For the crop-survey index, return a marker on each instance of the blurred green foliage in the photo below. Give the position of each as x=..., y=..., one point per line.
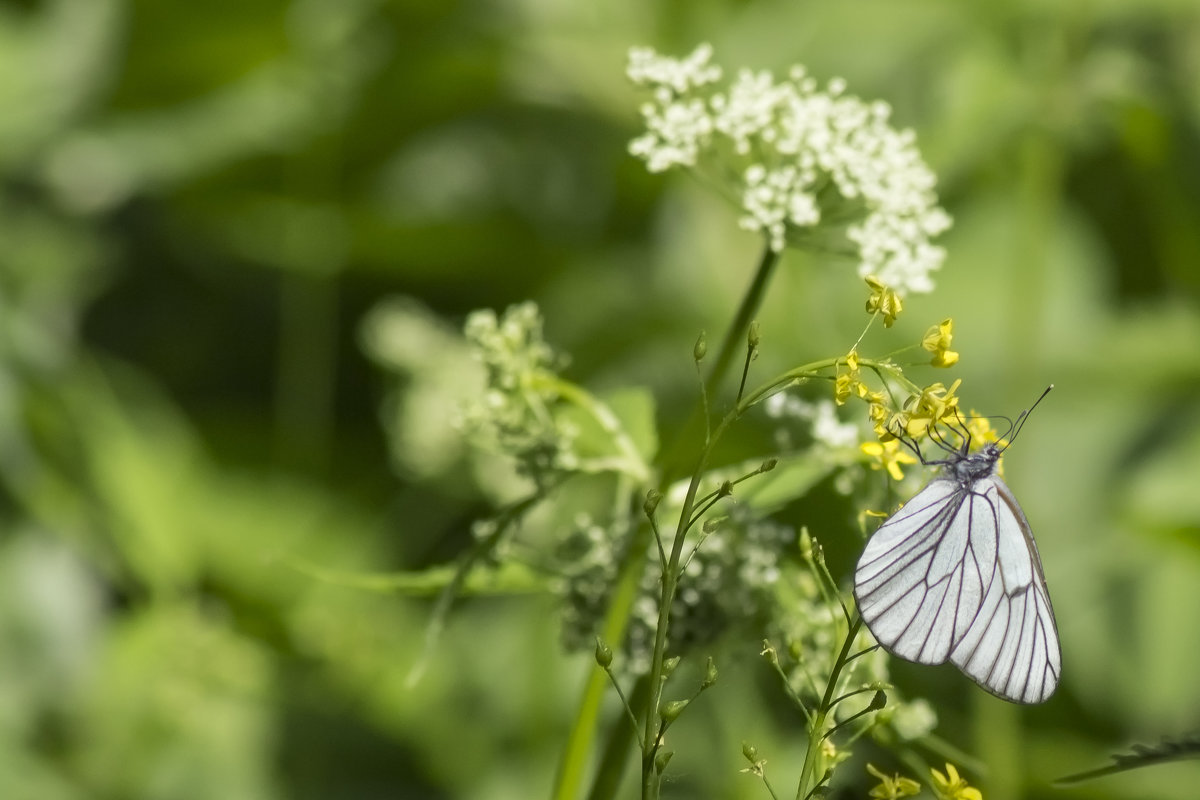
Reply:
x=200, y=204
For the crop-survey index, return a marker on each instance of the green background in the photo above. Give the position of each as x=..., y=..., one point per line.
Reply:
x=200, y=203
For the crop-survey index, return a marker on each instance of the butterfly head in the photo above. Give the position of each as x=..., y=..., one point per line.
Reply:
x=966, y=468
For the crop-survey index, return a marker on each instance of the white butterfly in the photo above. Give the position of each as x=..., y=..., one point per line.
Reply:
x=955, y=575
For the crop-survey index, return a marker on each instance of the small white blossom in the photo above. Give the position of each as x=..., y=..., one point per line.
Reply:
x=678, y=126
x=648, y=68
x=808, y=160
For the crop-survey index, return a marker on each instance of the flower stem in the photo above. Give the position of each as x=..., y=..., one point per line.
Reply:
x=736, y=336
x=816, y=732
x=671, y=574
x=734, y=341
x=670, y=461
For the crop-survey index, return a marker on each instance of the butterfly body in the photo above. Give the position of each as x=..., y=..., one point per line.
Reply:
x=967, y=468
x=955, y=576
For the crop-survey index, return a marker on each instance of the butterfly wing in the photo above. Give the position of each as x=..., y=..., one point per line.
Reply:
x=955, y=575
x=1012, y=649
x=922, y=576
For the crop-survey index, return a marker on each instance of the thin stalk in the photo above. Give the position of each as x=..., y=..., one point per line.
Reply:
x=816, y=733
x=670, y=578
x=616, y=750
x=575, y=754
x=735, y=338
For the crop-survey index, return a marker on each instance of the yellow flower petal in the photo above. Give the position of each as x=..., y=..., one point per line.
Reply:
x=944, y=358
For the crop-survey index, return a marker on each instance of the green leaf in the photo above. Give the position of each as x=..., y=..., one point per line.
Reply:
x=600, y=424
x=504, y=579
x=792, y=477
x=635, y=408
x=1187, y=748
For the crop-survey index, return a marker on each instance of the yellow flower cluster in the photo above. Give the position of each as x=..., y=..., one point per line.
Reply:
x=947, y=786
x=921, y=411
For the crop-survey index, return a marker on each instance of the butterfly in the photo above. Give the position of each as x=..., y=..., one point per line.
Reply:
x=955, y=575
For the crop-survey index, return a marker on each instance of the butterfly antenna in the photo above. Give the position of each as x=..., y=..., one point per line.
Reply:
x=916, y=448
x=940, y=440
x=911, y=444
x=962, y=430
x=1024, y=415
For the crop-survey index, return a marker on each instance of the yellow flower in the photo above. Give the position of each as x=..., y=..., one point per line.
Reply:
x=945, y=358
x=933, y=404
x=880, y=415
x=848, y=383
x=843, y=386
x=892, y=787
x=936, y=401
x=889, y=456
x=951, y=787
x=883, y=301
x=879, y=398
x=937, y=341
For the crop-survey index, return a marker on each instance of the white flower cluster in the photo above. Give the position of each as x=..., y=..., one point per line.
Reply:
x=822, y=416
x=729, y=585
x=811, y=630
x=514, y=414
x=803, y=156
x=678, y=124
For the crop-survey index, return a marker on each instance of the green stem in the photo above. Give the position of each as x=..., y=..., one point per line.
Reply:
x=670, y=578
x=816, y=733
x=575, y=754
x=734, y=341
x=735, y=337
x=572, y=766
x=616, y=750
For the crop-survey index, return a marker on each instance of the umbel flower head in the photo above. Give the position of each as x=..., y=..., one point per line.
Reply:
x=514, y=414
x=811, y=165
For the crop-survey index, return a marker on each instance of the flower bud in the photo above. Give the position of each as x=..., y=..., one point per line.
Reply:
x=806, y=544
x=700, y=348
x=710, y=674
x=653, y=497
x=673, y=709
x=604, y=654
